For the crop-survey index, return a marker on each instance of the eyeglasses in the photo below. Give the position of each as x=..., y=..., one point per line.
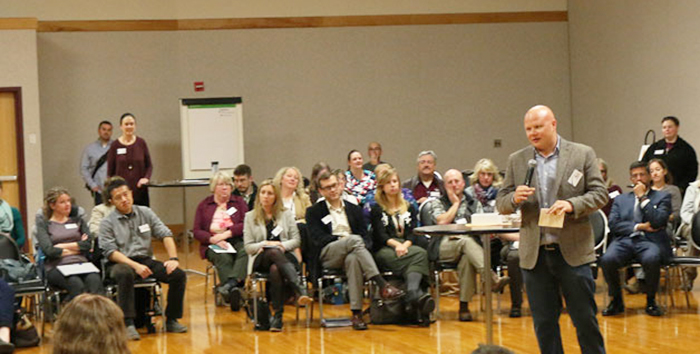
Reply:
x=330, y=187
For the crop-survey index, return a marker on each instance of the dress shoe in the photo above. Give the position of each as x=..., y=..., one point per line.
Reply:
x=358, y=323
x=465, y=315
x=499, y=284
x=614, y=308
x=276, y=322
x=425, y=304
x=653, y=309
x=515, y=312
x=390, y=292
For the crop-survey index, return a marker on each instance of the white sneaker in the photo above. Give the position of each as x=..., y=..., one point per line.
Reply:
x=131, y=333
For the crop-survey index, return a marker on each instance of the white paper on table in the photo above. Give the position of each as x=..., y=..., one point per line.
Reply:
x=77, y=268
x=229, y=248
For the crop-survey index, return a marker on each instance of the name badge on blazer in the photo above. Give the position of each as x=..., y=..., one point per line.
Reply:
x=277, y=231
x=144, y=228
x=231, y=211
x=71, y=226
x=575, y=178
x=613, y=194
x=327, y=220
x=435, y=194
x=121, y=151
x=659, y=152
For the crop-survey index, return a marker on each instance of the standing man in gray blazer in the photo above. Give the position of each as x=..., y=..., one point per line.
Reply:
x=555, y=261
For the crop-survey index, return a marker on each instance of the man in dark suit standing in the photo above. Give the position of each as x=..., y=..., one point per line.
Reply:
x=638, y=225
x=555, y=261
x=337, y=230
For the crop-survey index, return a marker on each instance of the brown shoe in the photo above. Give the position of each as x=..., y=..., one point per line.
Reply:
x=499, y=283
x=465, y=315
x=390, y=292
x=358, y=323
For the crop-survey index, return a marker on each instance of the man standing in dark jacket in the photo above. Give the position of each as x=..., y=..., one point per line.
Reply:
x=676, y=152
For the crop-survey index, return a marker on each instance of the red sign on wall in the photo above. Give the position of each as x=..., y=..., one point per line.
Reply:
x=198, y=86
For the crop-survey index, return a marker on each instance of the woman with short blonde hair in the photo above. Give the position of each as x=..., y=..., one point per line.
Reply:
x=218, y=224
x=90, y=324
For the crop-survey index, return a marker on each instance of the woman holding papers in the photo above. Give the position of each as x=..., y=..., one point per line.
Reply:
x=271, y=236
x=393, y=220
x=218, y=226
x=484, y=184
x=66, y=241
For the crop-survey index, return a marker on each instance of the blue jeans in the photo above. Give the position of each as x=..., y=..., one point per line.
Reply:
x=545, y=284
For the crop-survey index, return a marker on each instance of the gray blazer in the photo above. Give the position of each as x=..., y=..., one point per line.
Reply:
x=589, y=195
x=255, y=235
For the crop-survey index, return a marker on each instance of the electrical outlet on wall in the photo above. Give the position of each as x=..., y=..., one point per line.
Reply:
x=497, y=143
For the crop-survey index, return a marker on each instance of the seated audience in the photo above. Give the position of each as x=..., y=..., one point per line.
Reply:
x=638, y=226
x=90, y=324
x=662, y=181
x=393, y=220
x=7, y=313
x=358, y=180
x=691, y=205
x=125, y=239
x=219, y=221
x=292, y=193
x=613, y=189
x=456, y=208
x=101, y=210
x=11, y=221
x=65, y=240
x=370, y=198
x=245, y=187
x=427, y=183
x=337, y=230
x=271, y=237
x=677, y=153
x=318, y=168
x=484, y=185
x=374, y=151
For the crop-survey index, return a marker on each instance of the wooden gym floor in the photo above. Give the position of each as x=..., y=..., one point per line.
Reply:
x=218, y=330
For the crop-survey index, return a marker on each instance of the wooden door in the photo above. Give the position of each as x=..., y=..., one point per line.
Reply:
x=11, y=153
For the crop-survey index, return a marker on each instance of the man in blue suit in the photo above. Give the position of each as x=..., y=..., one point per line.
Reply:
x=638, y=226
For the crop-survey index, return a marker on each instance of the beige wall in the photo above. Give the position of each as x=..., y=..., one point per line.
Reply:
x=309, y=94
x=632, y=63
x=19, y=68
x=182, y=9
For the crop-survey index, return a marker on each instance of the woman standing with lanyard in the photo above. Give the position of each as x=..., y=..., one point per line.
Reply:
x=129, y=158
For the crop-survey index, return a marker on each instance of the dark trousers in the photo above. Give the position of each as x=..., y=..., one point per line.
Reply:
x=76, y=284
x=512, y=258
x=551, y=278
x=125, y=276
x=97, y=196
x=624, y=251
x=230, y=266
x=272, y=261
x=7, y=304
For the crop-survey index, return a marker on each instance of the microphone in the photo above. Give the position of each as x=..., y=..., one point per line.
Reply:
x=530, y=171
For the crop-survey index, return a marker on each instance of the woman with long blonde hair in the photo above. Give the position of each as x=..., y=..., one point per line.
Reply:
x=90, y=324
x=292, y=193
x=270, y=236
x=393, y=220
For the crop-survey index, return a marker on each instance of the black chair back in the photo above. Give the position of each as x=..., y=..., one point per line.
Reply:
x=695, y=231
x=8, y=247
x=600, y=224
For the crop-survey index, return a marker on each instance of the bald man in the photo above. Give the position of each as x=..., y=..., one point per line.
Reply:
x=555, y=261
x=456, y=208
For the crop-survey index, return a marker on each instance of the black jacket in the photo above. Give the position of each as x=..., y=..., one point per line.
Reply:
x=681, y=160
x=383, y=228
x=251, y=203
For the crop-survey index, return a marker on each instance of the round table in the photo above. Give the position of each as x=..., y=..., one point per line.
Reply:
x=485, y=232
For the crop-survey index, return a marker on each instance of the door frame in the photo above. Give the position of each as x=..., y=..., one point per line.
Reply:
x=19, y=138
